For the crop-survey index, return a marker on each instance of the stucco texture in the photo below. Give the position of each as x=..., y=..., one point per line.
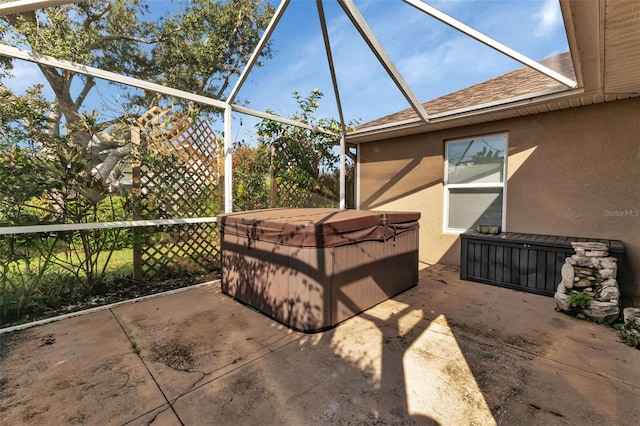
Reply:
x=573, y=172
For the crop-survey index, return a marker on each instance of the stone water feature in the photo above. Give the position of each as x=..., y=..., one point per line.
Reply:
x=589, y=281
x=630, y=331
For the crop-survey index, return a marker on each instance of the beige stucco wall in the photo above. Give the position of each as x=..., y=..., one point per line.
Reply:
x=573, y=172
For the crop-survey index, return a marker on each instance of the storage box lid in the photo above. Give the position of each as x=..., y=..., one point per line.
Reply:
x=317, y=227
x=615, y=246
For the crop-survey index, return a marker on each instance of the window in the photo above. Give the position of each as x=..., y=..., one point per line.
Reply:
x=475, y=170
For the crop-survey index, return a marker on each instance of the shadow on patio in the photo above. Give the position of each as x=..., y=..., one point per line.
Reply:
x=445, y=352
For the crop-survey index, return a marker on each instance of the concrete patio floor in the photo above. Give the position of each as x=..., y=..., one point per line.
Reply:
x=446, y=352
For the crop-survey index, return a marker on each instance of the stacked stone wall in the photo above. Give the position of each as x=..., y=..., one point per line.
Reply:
x=589, y=287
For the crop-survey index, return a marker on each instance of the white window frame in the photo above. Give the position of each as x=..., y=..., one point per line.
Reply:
x=447, y=186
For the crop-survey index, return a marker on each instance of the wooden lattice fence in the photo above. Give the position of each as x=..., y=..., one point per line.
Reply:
x=306, y=185
x=296, y=179
x=177, y=174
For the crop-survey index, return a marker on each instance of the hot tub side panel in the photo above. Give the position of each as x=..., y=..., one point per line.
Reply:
x=308, y=280
x=370, y=272
x=287, y=283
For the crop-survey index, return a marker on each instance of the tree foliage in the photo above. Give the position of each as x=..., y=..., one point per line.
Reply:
x=291, y=166
x=21, y=168
x=209, y=44
x=199, y=49
x=251, y=177
x=57, y=155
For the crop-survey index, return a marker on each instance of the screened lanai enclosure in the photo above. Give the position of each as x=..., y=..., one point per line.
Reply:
x=128, y=126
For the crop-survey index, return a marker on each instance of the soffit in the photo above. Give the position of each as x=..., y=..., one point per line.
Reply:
x=621, y=47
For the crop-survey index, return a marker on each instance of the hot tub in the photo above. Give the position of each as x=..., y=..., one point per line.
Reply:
x=313, y=268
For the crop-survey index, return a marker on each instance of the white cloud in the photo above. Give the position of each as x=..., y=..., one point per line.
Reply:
x=549, y=17
x=452, y=65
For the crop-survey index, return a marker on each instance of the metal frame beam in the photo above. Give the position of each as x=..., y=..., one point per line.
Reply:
x=336, y=91
x=256, y=52
x=68, y=227
x=332, y=69
x=14, y=52
x=488, y=41
x=13, y=7
x=228, y=161
x=283, y=120
x=385, y=60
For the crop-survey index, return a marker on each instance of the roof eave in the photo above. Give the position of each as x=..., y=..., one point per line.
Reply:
x=551, y=99
x=584, y=26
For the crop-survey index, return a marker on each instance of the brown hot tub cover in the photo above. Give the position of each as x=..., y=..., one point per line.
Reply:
x=313, y=268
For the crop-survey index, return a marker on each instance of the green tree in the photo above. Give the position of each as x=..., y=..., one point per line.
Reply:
x=21, y=121
x=251, y=178
x=200, y=49
x=46, y=179
x=304, y=162
x=80, y=152
x=25, y=259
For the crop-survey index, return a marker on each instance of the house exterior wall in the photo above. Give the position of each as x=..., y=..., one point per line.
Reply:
x=573, y=172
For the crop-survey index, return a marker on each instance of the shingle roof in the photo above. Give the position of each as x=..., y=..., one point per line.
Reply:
x=516, y=83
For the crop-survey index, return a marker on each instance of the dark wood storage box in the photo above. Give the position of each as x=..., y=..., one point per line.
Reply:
x=527, y=262
x=313, y=268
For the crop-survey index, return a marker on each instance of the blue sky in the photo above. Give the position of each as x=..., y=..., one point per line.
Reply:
x=433, y=59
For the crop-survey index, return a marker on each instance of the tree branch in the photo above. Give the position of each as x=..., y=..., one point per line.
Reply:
x=97, y=43
x=85, y=91
x=109, y=123
x=105, y=168
x=94, y=18
x=13, y=19
x=58, y=84
x=232, y=35
x=225, y=83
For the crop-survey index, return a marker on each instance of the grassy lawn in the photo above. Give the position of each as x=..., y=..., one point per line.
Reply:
x=120, y=262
